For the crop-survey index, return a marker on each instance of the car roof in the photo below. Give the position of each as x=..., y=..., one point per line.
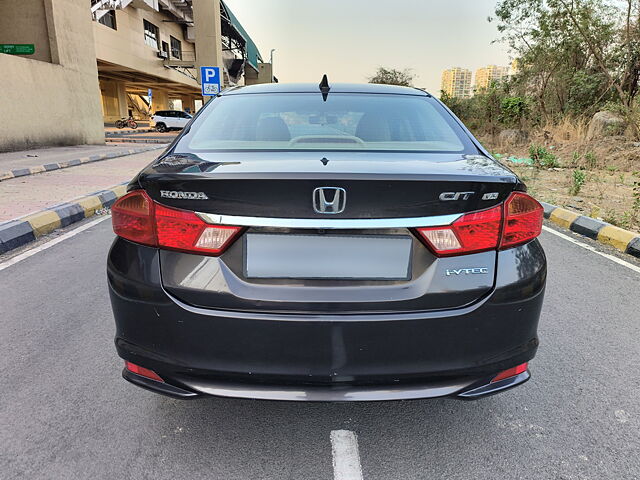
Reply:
x=314, y=88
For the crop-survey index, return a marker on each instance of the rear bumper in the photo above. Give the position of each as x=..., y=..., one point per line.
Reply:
x=304, y=393
x=325, y=357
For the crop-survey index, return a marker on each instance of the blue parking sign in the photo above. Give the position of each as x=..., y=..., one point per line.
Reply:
x=210, y=80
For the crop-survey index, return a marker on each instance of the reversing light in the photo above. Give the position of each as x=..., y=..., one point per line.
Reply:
x=511, y=372
x=143, y=372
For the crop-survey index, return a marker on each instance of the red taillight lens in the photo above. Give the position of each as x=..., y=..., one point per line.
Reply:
x=473, y=232
x=132, y=218
x=523, y=220
x=480, y=231
x=511, y=372
x=138, y=218
x=143, y=372
x=185, y=231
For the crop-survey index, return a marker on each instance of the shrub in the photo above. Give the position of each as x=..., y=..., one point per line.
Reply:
x=591, y=160
x=542, y=158
x=578, y=179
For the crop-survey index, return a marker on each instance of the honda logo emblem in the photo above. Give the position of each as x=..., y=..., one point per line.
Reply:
x=329, y=200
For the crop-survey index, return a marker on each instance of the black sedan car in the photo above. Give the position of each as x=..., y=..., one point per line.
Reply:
x=332, y=243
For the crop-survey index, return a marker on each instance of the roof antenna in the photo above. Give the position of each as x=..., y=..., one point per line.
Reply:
x=324, y=87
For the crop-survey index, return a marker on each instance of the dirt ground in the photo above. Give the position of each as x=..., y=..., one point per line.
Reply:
x=611, y=169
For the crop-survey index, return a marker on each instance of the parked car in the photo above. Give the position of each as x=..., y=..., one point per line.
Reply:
x=347, y=243
x=165, y=120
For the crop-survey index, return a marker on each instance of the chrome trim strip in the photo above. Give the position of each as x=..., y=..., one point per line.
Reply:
x=329, y=223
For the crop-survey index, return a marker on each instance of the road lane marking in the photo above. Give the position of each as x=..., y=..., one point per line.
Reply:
x=346, y=459
x=635, y=268
x=44, y=246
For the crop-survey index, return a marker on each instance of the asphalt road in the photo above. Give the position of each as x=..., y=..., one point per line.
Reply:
x=65, y=413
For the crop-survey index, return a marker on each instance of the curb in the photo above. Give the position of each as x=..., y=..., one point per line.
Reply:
x=129, y=132
x=135, y=140
x=603, y=232
x=23, y=172
x=20, y=231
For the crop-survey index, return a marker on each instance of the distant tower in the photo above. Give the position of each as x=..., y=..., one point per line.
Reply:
x=492, y=73
x=456, y=82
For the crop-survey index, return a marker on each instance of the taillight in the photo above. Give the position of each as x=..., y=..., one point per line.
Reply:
x=504, y=226
x=138, y=218
x=471, y=233
x=523, y=220
x=132, y=218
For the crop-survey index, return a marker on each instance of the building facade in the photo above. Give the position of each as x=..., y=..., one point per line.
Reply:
x=456, y=82
x=95, y=62
x=487, y=75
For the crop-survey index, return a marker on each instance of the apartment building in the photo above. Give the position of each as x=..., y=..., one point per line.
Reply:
x=485, y=76
x=456, y=82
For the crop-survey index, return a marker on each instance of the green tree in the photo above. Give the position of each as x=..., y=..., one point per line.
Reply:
x=574, y=55
x=391, y=76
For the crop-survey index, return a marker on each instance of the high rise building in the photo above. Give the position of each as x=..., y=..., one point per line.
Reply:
x=492, y=73
x=456, y=82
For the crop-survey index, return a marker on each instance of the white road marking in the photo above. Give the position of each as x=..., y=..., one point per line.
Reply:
x=635, y=268
x=346, y=459
x=44, y=246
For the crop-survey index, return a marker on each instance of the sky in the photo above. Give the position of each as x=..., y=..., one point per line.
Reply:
x=349, y=39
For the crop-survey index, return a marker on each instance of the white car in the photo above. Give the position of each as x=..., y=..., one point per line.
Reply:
x=169, y=119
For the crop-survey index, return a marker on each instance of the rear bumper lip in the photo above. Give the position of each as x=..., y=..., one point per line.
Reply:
x=158, y=387
x=496, y=387
x=465, y=390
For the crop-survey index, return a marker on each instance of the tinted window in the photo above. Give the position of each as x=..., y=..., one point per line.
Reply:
x=344, y=121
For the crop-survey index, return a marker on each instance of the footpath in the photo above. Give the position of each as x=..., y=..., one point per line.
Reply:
x=36, y=204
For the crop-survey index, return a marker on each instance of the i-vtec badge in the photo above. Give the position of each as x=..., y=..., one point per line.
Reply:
x=467, y=271
x=183, y=195
x=450, y=196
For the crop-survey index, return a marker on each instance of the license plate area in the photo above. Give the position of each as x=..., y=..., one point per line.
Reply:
x=327, y=257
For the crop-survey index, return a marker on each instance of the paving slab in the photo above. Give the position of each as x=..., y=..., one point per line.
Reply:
x=23, y=195
x=26, y=159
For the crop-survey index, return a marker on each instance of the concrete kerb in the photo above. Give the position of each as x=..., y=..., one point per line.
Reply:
x=21, y=172
x=128, y=132
x=20, y=231
x=139, y=140
x=605, y=233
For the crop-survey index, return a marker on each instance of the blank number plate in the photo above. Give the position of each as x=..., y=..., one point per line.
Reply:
x=328, y=256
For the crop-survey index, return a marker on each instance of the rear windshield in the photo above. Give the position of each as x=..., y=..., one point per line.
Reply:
x=344, y=122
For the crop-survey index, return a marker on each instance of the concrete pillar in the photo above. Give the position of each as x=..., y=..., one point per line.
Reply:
x=208, y=30
x=123, y=103
x=160, y=100
x=188, y=102
x=110, y=101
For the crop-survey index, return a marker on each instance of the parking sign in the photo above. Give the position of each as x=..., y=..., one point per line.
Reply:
x=210, y=80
